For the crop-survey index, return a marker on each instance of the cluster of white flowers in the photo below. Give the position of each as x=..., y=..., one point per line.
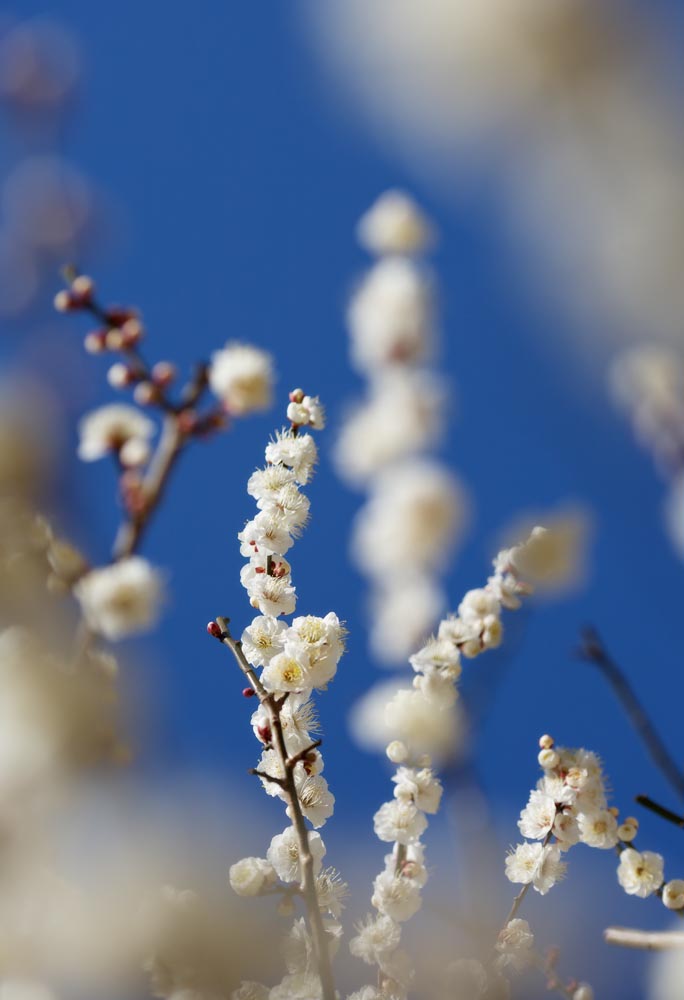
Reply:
x=415, y=509
x=117, y=429
x=424, y=716
x=569, y=806
x=648, y=383
x=294, y=660
x=416, y=719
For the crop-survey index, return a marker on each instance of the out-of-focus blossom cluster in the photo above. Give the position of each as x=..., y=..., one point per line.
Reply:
x=648, y=384
x=48, y=207
x=567, y=104
x=405, y=533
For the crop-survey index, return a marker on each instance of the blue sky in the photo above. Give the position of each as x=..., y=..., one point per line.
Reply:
x=233, y=181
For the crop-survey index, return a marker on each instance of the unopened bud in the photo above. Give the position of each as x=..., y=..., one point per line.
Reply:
x=548, y=759
x=163, y=374
x=397, y=752
x=131, y=332
x=297, y=395
x=95, y=342
x=83, y=287
x=119, y=376
x=248, y=692
x=145, y=394
x=214, y=629
x=546, y=742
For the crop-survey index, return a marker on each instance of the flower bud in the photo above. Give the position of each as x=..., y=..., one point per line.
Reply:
x=546, y=742
x=673, y=894
x=548, y=759
x=397, y=752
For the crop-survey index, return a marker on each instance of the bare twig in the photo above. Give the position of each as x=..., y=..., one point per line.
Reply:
x=661, y=811
x=287, y=764
x=593, y=650
x=628, y=937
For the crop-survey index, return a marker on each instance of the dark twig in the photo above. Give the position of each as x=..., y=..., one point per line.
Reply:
x=593, y=651
x=661, y=811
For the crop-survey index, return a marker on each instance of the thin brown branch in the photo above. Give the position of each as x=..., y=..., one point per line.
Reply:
x=593, y=651
x=661, y=811
x=294, y=809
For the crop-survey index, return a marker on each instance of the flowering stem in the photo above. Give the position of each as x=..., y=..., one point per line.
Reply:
x=169, y=448
x=593, y=650
x=287, y=764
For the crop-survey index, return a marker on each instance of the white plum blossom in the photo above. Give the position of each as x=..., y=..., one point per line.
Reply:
x=272, y=595
x=404, y=610
x=122, y=599
x=306, y=411
x=395, y=896
x=394, y=224
x=263, y=639
x=297, y=452
x=315, y=798
x=538, y=864
x=298, y=986
x=399, y=821
x=515, y=945
x=283, y=854
x=390, y=315
x=241, y=376
x=376, y=938
x=640, y=873
x=673, y=894
x=287, y=671
x=538, y=816
x=420, y=786
x=249, y=876
x=112, y=428
x=598, y=829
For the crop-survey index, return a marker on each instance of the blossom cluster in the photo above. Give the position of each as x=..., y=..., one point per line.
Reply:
x=569, y=806
x=415, y=506
x=293, y=660
x=648, y=383
x=419, y=722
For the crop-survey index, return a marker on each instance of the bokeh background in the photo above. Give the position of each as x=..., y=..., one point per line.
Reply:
x=223, y=162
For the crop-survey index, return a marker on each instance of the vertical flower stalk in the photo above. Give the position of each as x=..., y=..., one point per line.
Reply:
x=283, y=665
x=416, y=720
x=415, y=506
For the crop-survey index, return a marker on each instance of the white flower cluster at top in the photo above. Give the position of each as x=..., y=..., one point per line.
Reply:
x=415, y=506
x=411, y=719
x=294, y=660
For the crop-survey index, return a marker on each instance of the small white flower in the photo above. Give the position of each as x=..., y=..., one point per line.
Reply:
x=537, y=864
x=242, y=378
x=267, y=533
x=263, y=639
x=394, y=224
x=307, y=411
x=390, y=316
x=598, y=829
x=323, y=639
x=538, y=816
x=375, y=938
x=122, y=599
x=264, y=484
x=288, y=671
x=300, y=986
x=272, y=596
x=283, y=854
x=399, y=821
x=315, y=798
x=331, y=890
x=250, y=875
x=673, y=894
x=422, y=787
x=515, y=945
x=395, y=896
x=110, y=428
x=640, y=873
x=297, y=452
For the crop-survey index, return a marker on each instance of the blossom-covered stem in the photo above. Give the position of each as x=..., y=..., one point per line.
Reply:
x=661, y=811
x=593, y=650
x=169, y=448
x=288, y=764
x=628, y=937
